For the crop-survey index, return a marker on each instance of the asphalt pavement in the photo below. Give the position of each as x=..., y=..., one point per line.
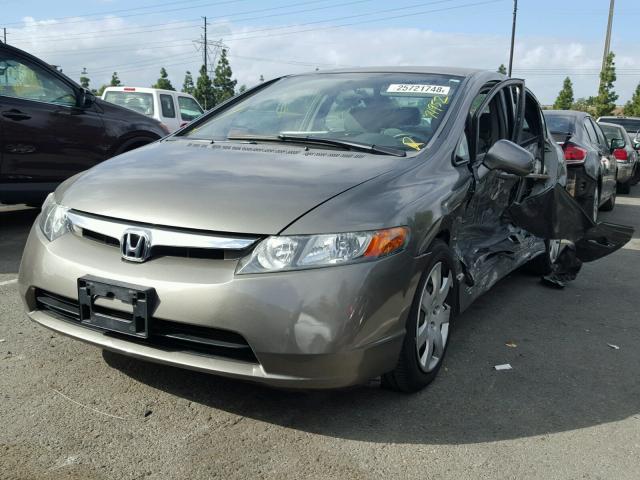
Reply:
x=568, y=409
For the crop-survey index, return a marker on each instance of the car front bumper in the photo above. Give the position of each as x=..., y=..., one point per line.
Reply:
x=321, y=328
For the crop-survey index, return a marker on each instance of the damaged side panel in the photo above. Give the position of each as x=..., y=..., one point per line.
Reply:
x=554, y=214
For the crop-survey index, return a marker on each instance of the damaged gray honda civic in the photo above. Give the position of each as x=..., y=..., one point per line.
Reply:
x=316, y=231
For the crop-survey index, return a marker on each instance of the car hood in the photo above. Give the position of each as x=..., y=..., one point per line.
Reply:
x=224, y=187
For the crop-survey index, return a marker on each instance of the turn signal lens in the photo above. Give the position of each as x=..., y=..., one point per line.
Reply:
x=386, y=242
x=284, y=253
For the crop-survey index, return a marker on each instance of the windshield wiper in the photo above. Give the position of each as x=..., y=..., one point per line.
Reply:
x=322, y=141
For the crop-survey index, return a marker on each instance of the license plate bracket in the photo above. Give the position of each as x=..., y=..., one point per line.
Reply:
x=135, y=323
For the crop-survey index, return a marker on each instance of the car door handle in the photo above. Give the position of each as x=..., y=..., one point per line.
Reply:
x=15, y=115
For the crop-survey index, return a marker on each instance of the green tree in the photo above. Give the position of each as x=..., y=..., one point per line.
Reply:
x=502, y=69
x=242, y=89
x=565, y=97
x=115, y=81
x=84, y=81
x=100, y=91
x=632, y=107
x=204, y=92
x=605, y=101
x=261, y=78
x=163, y=82
x=585, y=105
x=187, y=85
x=224, y=86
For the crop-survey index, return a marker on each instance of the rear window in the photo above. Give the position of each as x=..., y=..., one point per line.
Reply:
x=561, y=123
x=189, y=109
x=166, y=103
x=611, y=132
x=631, y=125
x=136, y=101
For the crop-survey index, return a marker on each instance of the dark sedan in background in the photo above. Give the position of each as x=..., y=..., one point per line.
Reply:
x=626, y=156
x=315, y=231
x=51, y=128
x=592, y=168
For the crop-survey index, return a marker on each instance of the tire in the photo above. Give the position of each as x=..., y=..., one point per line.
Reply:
x=428, y=326
x=609, y=204
x=591, y=205
x=543, y=263
x=624, y=188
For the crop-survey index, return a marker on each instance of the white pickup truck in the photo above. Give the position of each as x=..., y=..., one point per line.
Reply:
x=174, y=109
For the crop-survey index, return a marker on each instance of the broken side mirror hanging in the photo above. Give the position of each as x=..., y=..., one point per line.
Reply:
x=510, y=158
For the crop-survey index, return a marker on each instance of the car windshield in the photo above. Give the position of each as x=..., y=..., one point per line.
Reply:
x=396, y=110
x=631, y=125
x=560, y=123
x=136, y=101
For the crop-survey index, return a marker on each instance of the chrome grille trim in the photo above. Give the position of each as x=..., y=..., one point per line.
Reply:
x=158, y=237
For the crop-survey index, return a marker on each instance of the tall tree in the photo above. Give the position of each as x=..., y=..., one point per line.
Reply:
x=632, y=107
x=502, y=69
x=223, y=85
x=204, y=92
x=565, y=97
x=84, y=81
x=115, y=81
x=261, y=78
x=605, y=101
x=187, y=85
x=163, y=82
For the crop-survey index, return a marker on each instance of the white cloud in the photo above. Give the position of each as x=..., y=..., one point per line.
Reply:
x=544, y=62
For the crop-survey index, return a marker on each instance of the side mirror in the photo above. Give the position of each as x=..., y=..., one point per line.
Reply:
x=87, y=98
x=510, y=158
x=617, y=143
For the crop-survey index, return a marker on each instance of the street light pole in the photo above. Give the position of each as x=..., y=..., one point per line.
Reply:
x=513, y=35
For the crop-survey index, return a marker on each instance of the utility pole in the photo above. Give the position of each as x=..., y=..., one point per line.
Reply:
x=513, y=35
x=5, y=35
x=607, y=41
x=204, y=50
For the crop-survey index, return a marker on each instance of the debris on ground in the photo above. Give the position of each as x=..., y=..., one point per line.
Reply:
x=615, y=347
x=511, y=344
x=504, y=366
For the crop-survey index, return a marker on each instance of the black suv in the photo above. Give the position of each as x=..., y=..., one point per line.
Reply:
x=51, y=128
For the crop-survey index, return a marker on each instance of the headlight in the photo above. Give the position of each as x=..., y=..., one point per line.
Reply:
x=53, y=219
x=277, y=254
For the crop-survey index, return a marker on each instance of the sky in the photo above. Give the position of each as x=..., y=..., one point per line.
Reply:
x=554, y=38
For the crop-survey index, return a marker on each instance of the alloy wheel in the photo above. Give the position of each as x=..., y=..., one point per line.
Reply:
x=432, y=330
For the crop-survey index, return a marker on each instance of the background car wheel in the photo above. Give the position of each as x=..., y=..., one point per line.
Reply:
x=428, y=325
x=543, y=263
x=624, y=187
x=609, y=204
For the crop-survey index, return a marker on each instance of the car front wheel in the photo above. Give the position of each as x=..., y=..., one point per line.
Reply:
x=428, y=325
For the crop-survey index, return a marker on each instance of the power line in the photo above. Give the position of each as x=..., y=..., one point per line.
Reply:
x=83, y=20
x=291, y=12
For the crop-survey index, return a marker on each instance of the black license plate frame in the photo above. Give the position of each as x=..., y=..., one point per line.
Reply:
x=142, y=300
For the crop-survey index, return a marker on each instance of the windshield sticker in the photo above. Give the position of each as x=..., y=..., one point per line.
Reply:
x=409, y=88
x=410, y=142
x=435, y=107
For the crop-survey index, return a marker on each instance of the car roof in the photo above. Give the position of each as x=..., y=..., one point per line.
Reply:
x=606, y=124
x=567, y=113
x=121, y=88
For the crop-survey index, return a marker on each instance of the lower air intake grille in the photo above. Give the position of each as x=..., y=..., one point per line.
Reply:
x=163, y=334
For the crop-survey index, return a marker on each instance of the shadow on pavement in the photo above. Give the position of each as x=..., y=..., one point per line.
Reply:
x=565, y=375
